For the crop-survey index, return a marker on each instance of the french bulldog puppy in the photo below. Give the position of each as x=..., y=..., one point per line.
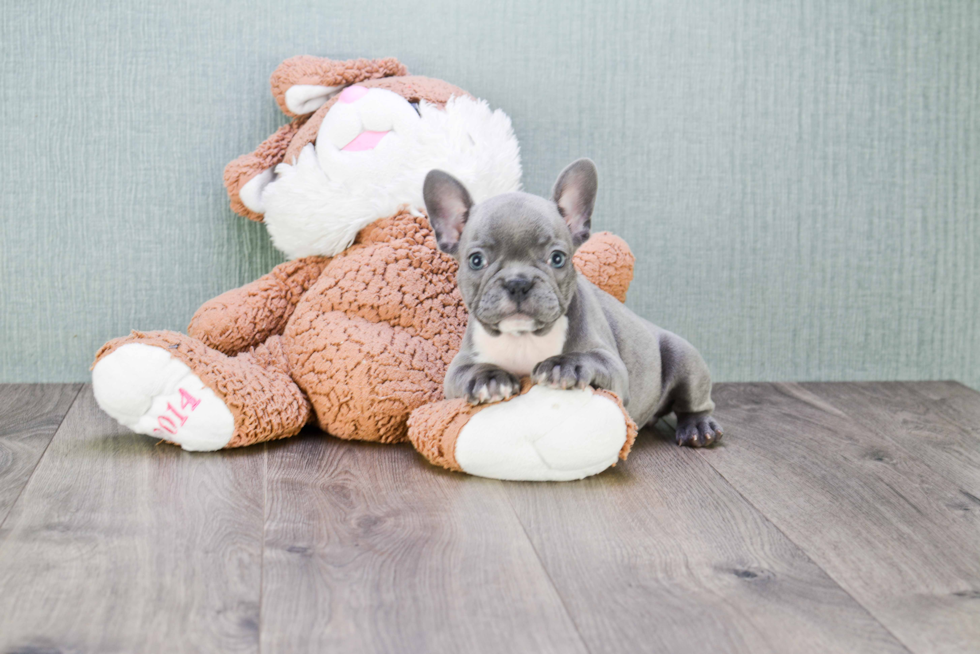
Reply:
x=530, y=313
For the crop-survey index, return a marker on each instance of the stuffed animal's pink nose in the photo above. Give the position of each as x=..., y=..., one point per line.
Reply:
x=353, y=94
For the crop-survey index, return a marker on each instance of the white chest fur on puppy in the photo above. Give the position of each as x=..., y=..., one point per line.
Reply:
x=518, y=351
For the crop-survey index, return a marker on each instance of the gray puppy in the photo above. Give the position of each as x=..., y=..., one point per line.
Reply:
x=532, y=314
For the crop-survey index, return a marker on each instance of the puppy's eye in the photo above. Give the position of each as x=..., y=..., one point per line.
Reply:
x=477, y=261
x=415, y=106
x=558, y=259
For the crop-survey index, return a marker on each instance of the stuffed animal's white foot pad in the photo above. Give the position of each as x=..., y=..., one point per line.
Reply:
x=152, y=393
x=544, y=435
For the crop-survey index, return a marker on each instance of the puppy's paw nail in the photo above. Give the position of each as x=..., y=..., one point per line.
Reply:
x=702, y=432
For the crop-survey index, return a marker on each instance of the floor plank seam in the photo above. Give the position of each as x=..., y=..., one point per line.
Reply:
x=887, y=435
x=37, y=463
x=959, y=383
x=802, y=550
x=704, y=455
x=960, y=427
x=120, y=530
x=265, y=511
x=547, y=574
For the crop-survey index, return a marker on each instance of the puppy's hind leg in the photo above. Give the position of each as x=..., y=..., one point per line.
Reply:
x=687, y=387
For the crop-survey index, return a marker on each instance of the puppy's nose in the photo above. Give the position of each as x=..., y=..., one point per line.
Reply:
x=518, y=288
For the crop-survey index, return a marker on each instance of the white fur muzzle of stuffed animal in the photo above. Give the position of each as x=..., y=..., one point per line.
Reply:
x=371, y=156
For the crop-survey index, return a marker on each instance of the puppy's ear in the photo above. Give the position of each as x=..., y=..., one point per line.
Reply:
x=448, y=203
x=574, y=194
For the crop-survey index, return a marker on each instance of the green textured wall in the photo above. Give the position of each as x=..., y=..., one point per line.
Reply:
x=799, y=180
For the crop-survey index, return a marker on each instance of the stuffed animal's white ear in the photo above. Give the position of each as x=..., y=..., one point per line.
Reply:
x=306, y=98
x=251, y=193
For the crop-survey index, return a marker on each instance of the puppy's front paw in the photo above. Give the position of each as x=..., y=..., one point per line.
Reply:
x=491, y=385
x=696, y=430
x=568, y=371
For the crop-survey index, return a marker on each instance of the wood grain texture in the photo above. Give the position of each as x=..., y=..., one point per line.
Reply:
x=926, y=430
x=29, y=416
x=847, y=489
x=369, y=549
x=800, y=181
x=662, y=555
x=120, y=545
x=834, y=518
x=953, y=401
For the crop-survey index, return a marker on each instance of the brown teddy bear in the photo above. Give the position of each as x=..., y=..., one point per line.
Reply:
x=357, y=329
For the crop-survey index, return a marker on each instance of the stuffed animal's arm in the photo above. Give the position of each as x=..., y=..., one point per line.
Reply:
x=247, y=316
x=606, y=261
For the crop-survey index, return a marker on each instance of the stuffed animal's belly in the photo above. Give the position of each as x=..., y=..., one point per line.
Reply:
x=371, y=340
x=363, y=377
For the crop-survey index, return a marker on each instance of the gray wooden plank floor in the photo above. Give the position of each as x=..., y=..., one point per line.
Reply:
x=369, y=550
x=833, y=518
x=853, y=478
x=29, y=416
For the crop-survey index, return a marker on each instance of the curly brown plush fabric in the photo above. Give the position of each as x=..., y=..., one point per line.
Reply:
x=434, y=428
x=372, y=339
x=245, y=317
x=608, y=263
x=305, y=69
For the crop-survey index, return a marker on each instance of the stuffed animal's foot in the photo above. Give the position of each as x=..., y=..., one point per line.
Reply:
x=153, y=393
x=542, y=435
x=697, y=430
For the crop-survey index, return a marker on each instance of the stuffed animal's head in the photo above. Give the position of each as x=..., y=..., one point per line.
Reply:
x=363, y=136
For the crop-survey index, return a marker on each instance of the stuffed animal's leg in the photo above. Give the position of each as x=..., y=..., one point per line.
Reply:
x=171, y=386
x=541, y=435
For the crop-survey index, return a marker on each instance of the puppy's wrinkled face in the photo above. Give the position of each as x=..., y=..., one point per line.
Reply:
x=515, y=270
x=514, y=250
